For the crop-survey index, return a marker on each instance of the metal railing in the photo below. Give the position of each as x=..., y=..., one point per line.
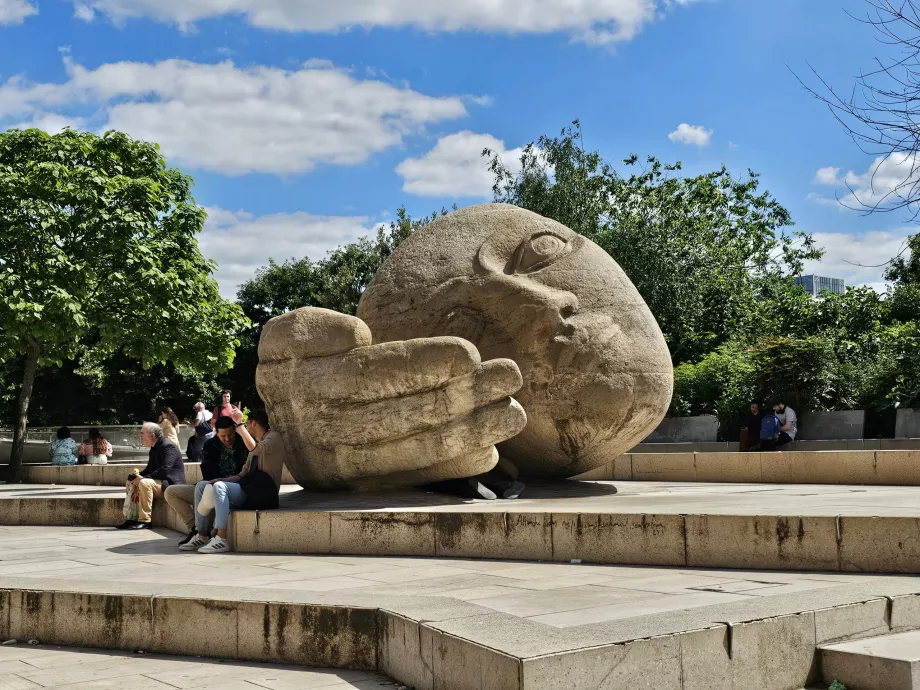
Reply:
x=122, y=436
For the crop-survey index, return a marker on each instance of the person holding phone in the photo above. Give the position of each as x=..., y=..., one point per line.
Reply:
x=255, y=487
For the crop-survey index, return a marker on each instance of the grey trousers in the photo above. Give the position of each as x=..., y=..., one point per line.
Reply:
x=181, y=498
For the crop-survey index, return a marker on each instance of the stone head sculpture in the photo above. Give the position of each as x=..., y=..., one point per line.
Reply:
x=597, y=374
x=483, y=304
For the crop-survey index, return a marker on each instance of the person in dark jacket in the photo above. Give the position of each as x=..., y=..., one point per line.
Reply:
x=223, y=455
x=164, y=467
x=752, y=426
x=254, y=487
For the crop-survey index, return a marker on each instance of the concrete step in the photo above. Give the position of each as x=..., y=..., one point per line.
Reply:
x=842, y=529
x=862, y=467
x=438, y=624
x=887, y=662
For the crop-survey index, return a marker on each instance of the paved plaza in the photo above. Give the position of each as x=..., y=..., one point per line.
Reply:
x=25, y=667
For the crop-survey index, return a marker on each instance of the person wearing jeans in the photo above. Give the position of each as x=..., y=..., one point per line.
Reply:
x=223, y=455
x=255, y=487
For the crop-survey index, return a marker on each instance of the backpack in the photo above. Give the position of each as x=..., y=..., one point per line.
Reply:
x=769, y=428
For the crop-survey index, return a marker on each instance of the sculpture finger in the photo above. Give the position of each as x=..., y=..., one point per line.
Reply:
x=482, y=428
x=332, y=422
x=375, y=372
x=311, y=332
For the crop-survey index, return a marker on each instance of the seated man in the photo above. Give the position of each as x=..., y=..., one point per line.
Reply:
x=223, y=455
x=750, y=431
x=164, y=467
x=255, y=487
x=788, y=423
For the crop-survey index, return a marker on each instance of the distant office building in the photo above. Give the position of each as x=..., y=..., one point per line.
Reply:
x=815, y=285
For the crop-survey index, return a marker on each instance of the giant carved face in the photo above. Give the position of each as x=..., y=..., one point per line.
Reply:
x=597, y=372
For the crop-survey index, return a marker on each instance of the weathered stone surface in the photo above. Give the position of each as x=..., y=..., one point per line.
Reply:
x=355, y=415
x=597, y=372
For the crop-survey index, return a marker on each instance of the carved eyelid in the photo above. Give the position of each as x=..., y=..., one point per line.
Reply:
x=520, y=254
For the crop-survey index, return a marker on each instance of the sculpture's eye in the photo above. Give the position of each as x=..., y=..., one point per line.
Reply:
x=539, y=251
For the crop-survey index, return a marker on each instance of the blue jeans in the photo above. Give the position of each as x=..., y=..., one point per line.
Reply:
x=226, y=497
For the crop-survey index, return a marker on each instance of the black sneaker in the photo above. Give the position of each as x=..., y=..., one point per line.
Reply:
x=127, y=524
x=514, y=490
x=191, y=535
x=139, y=525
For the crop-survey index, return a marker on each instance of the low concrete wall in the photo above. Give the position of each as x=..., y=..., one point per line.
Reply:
x=685, y=429
x=105, y=475
x=728, y=447
x=36, y=453
x=128, y=436
x=908, y=423
x=843, y=425
x=873, y=467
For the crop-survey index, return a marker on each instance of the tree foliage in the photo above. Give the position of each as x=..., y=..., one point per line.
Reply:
x=99, y=255
x=699, y=248
x=714, y=257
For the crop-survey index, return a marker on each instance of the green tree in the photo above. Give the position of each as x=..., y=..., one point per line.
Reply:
x=699, y=249
x=99, y=254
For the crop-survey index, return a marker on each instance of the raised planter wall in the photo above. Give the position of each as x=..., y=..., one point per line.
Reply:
x=685, y=430
x=825, y=426
x=908, y=423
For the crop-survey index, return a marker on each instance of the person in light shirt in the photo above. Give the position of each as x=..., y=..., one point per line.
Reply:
x=255, y=487
x=788, y=423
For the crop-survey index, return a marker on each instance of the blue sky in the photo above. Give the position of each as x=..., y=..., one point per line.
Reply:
x=305, y=123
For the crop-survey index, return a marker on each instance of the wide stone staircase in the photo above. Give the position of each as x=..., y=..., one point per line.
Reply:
x=681, y=570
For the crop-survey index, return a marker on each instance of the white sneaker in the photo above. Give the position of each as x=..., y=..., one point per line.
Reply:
x=216, y=545
x=196, y=543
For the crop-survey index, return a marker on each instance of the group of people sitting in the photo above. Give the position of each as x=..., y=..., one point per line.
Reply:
x=95, y=450
x=241, y=468
x=768, y=431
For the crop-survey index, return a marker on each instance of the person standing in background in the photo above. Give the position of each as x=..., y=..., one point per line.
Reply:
x=202, y=416
x=223, y=409
x=169, y=423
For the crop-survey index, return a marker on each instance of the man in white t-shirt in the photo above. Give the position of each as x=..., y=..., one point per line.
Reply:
x=788, y=423
x=202, y=416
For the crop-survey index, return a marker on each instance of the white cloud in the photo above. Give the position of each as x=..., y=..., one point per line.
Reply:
x=596, y=21
x=15, y=11
x=241, y=242
x=857, y=258
x=456, y=167
x=237, y=120
x=51, y=123
x=827, y=176
x=695, y=135
x=888, y=181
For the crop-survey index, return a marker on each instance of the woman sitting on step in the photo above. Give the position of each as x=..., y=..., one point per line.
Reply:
x=63, y=449
x=95, y=450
